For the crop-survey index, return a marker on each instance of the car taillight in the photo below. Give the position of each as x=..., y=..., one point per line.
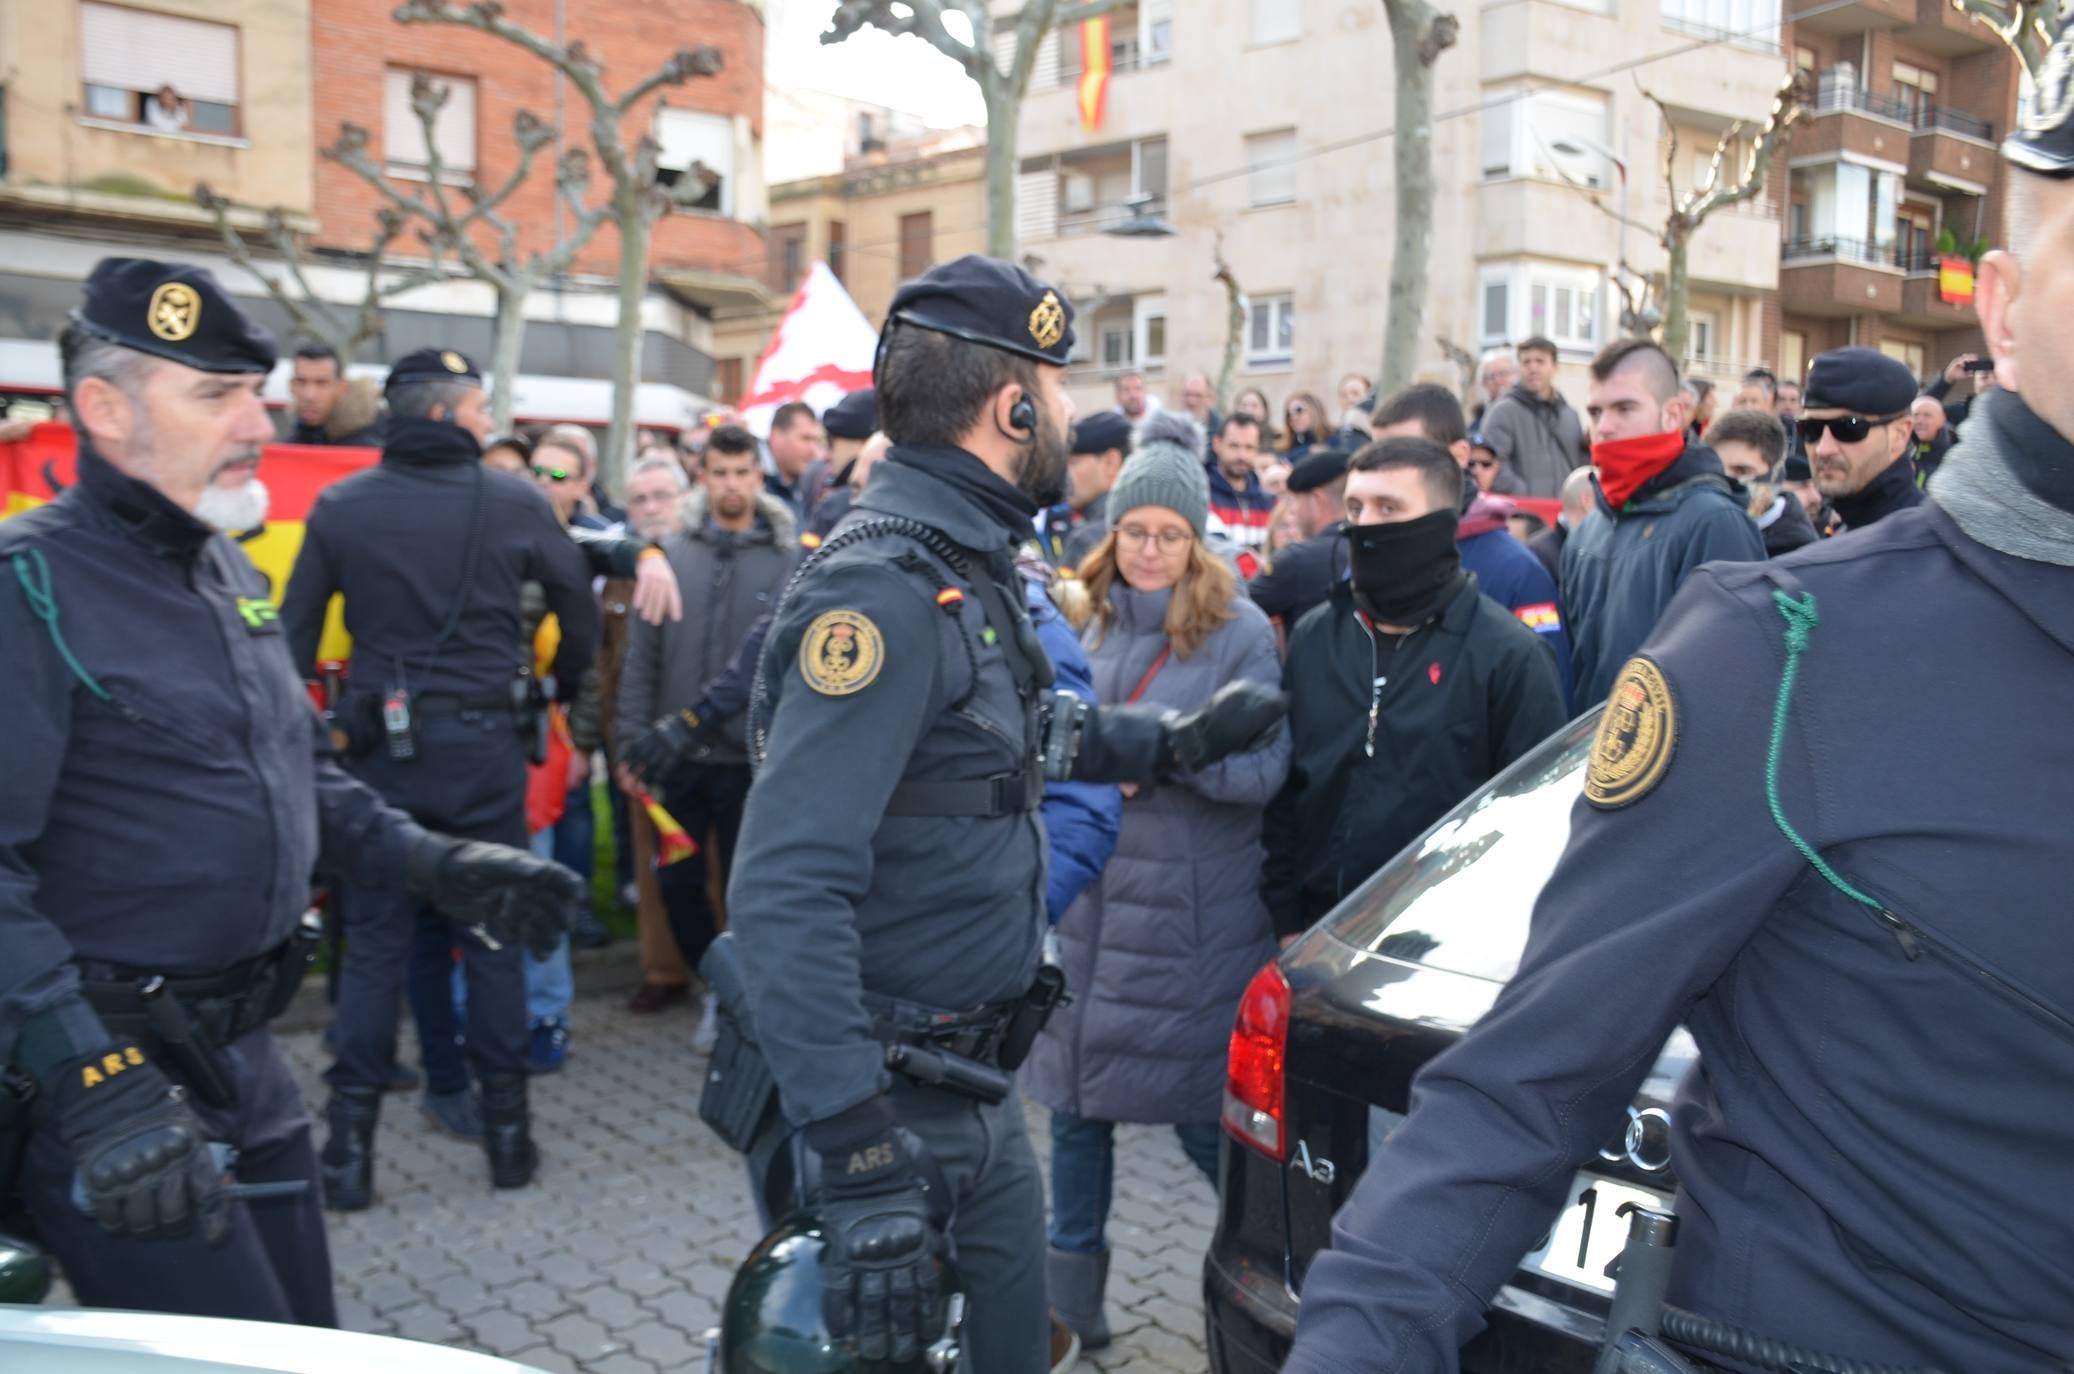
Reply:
x=1253, y=1073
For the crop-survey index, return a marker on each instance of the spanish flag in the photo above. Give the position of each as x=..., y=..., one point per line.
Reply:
x=671, y=843
x=1094, y=72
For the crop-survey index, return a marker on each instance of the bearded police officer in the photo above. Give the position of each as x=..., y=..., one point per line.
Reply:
x=429, y=550
x=169, y=791
x=889, y=889
x=1869, y=943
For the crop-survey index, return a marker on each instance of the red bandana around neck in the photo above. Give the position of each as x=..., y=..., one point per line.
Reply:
x=1625, y=464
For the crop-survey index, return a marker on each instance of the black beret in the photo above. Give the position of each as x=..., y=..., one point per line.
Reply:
x=855, y=416
x=432, y=365
x=2043, y=139
x=1317, y=468
x=986, y=301
x=172, y=311
x=1102, y=431
x=1864, y=381
x=1797, y=469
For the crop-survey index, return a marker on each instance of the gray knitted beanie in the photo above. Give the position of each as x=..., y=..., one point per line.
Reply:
x=1167, y=470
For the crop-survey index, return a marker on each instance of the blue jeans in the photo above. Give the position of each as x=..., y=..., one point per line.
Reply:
x=575, y=836
x=1083, y=1174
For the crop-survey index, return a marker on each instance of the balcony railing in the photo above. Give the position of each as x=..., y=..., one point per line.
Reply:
x=1835, y=96
x=1945, y=120
x=1842, y=250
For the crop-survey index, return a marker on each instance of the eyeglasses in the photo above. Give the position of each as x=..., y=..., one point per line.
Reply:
x=1848, y=429
x=1137, y=536
x=552, y=474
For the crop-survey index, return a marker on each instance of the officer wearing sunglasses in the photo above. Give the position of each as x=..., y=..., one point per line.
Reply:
x=1856, y=432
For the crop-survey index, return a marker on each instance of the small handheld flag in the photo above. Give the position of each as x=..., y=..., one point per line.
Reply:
x=671, y=843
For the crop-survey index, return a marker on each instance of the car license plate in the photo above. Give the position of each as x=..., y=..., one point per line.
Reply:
x=1590, y=1233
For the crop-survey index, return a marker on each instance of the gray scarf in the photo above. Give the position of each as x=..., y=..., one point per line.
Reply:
x=1979, y=487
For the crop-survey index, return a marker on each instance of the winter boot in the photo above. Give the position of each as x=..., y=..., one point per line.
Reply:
x=1076, y=1283
x=346, y=1165
x=506, y=1135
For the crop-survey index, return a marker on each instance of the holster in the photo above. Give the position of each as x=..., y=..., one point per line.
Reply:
x=740, y=1097
x=1046, y=995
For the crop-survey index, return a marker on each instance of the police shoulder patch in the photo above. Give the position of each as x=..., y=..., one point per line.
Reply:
x=1635, y=739
x=841, y=652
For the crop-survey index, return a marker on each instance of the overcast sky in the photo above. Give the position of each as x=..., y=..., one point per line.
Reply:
x=901, y=73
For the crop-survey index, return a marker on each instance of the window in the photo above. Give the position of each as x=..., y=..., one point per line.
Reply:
x=727, y=381
x=1913, y=354
x=1915, y=237
x=1916, y=89
x=1793, y=354
x=1804, y=60
x=838, y=248
x=1270, y=331
x=917, y=244
x=1117, y=342
x=1559, y=303
x=1754, y=21
x=697, y=138
x=1271, y=168
x=1149, y=168
x=787, y=256
x=1156, y=30
x=453, y=129
x=1149, y=321
x=1277, y=21
x=129, y=56
x=1701, y=341
x=1076, y=193
x=1559, y=135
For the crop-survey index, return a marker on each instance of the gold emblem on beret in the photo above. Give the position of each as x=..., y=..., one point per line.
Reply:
x=841, y=653
x=454, y=361
x=175, y=312
x=1636, y=735
x=1048, y=321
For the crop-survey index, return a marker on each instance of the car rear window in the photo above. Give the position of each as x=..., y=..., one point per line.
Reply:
x=1460, y=897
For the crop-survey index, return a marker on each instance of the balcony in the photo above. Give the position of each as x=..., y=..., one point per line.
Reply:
x=1941, y=28
x=1840, y=277
x=1952, y=151
x=1921, y=303
x=1863, y=16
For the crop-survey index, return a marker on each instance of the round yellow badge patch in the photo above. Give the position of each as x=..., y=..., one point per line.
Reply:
x=175, y=312
x=841, y=653
x=1636, y=735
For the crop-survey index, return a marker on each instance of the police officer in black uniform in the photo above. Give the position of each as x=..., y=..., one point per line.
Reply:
x=1824, y=826
x=430, y=550
x=169, y=791
x=889, y=884
x=1305, y=573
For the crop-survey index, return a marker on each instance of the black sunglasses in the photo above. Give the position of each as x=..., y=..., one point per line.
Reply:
x=552, y=474
x=1848, y=429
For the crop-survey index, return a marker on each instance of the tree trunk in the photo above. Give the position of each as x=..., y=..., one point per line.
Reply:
x=504, y=360
x=1002, y=112
x=1677, y=329
x=635, y=232
x=1418, y=35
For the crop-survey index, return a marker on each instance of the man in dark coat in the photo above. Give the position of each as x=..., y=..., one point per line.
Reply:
x=1303, y=574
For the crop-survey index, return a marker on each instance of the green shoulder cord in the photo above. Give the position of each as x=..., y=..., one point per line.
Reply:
x=1801, y=620
x=36, y=586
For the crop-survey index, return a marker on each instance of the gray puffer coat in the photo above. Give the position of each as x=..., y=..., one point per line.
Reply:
x=1158, y=950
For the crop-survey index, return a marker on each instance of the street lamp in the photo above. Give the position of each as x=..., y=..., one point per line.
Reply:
x=1142, y=223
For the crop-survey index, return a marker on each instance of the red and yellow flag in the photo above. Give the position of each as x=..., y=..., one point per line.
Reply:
x=671, y=843
x=1094, y=72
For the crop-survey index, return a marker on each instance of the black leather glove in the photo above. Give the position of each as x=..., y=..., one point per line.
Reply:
x=510, y=894
x=142, y=1156
x=676, y=738
x=881, y=1284
x=1242, y=717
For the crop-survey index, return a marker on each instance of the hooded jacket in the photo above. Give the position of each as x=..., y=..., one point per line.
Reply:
x=1538, y=441
x=1620, y=569
x=729, y=581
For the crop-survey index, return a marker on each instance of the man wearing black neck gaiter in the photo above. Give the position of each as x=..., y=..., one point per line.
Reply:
x=1408, y=689
x=1824, y=830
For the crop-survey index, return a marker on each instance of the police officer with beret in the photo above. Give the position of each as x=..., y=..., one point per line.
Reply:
x=169, y=792
x=430, y=550
x=1859, y=435
x=888, y=898
x=849, y=422
x=1869, y=943
x=1303, y=574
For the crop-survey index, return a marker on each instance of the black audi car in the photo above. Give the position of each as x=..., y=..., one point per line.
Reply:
x=1329, y=1036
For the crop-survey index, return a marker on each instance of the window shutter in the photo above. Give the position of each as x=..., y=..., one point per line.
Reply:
x=137, y=50
x=1036, y=206
x=1045, y=75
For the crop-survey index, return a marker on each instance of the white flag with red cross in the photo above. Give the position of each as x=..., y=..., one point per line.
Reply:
x=822, y=350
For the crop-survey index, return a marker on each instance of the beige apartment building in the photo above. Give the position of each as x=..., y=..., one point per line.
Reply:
x=1266, y=121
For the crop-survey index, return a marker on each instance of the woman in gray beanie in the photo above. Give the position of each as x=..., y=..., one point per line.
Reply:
x=1158, y=950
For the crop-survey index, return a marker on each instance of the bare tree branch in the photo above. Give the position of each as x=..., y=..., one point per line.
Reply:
x=1756, y=164
x=1234, y=323
x=2025, y=26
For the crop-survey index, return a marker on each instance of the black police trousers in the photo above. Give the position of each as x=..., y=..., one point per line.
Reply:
x=997, y=1229
x=468, y=780
x=273, y=1266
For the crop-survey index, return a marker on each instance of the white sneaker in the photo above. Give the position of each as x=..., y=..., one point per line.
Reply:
x=703, y=1038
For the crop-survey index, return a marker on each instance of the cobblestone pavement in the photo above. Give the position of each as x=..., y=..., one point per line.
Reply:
x=616, y=1260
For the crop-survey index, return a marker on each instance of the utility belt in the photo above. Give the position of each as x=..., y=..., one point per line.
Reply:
x=1003, y=794
x=185, y=1023
x=372, y=722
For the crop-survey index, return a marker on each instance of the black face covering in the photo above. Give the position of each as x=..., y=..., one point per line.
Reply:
x=1404, y=571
